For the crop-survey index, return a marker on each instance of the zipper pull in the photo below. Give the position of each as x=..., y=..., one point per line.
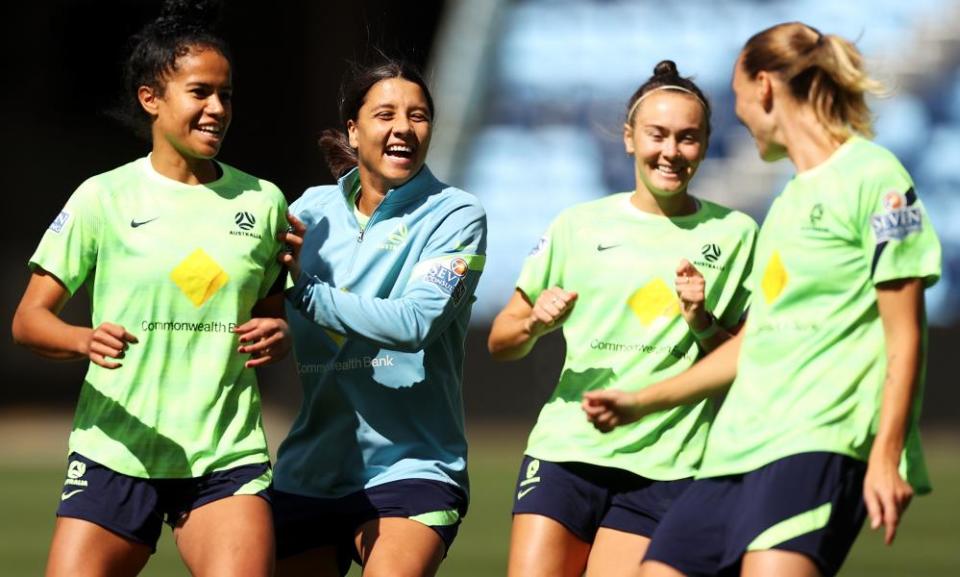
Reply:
x=360, y=236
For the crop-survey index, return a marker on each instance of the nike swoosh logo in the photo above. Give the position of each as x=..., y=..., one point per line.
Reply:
x=65, y=496
x=600, y=247
x=522, y=492
x=135, y=224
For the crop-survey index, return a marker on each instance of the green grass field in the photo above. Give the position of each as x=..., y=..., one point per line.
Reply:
x=928, y=545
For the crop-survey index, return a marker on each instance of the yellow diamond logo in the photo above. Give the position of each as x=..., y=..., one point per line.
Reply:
x=199, y=277
x=774, y=278
x=653, y=300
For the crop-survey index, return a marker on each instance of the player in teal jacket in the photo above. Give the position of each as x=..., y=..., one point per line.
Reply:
x=375, y=463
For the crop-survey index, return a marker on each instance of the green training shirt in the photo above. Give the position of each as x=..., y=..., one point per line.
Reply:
x=813, y=359
x=179, y=267
x=626, y=331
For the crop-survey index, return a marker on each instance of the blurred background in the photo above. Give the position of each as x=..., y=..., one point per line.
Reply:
x=531, y=99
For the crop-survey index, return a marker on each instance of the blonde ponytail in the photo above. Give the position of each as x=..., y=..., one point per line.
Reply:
x=825, y=70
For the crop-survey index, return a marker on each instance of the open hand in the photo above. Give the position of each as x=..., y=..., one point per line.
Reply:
x=266, y=340
x=886, y=496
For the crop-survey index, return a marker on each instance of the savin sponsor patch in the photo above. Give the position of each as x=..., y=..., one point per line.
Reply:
x=898, y=220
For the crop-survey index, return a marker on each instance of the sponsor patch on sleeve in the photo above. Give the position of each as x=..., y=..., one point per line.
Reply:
x=60, y=222
x=540, y=246
x=898, y=219
x=448, y=272
x=448, y=276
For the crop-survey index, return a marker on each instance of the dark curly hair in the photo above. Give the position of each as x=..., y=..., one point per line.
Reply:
x=183, y=26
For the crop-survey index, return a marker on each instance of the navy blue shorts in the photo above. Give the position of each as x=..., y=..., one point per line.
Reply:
x=585, y=497
x=810, y=503
x=136, y=508
x=303, y=523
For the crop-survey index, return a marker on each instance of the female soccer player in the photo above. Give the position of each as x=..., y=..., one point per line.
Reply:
x=819, y=428
x=176, y=250
x=374, y=467
x=642, y=283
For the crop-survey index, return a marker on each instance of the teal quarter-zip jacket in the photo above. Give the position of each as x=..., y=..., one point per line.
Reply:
x=379, y=316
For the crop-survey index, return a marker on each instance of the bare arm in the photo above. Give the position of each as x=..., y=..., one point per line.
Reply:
x=37, y=327
x=886, y=493
x=711, y=376
x=518, y=326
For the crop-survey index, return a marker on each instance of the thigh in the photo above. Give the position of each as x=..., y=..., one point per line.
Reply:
x=779, y=563
x=616, y=553
x=399, y=547
x=434, y=504
x=543, y=547
x=84, y=549
x=230, y=536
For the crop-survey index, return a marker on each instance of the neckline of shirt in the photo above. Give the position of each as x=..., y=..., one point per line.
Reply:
x=837, y=154
x=638, y=213
x=418, y=185
x=167, y=181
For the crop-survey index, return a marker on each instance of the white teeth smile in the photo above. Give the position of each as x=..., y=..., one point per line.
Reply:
x=667, y=171
x=214, y=130
x=400, y=148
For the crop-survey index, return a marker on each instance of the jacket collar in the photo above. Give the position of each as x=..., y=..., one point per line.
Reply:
x=421, y=184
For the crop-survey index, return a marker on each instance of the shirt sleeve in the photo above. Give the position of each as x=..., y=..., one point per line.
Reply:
x=896, y=235
x=542, y=267
x=69, y=247
x=272, y=283
x=441, y=284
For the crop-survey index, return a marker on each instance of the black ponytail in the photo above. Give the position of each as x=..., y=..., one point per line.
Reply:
x=337, y=152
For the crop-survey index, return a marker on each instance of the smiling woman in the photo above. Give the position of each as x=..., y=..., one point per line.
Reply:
x=191, y=113
x=374, y=467
x=642, y=283
x=667, y=137
x=168, y=424
x=392, y=135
